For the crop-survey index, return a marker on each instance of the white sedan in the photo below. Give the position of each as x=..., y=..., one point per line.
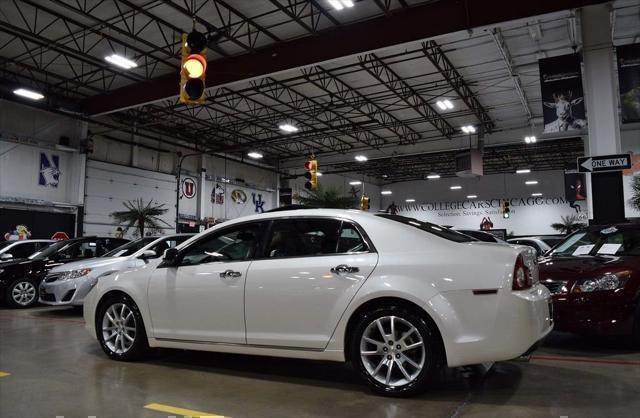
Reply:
x=397, y=297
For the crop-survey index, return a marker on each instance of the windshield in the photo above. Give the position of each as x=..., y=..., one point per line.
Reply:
x=434, y=229
x=607, y=241
x=47, y=252
x=551, y=242
x=130, y=247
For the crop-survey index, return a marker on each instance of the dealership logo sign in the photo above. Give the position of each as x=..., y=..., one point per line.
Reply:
x=239, y=197
x=49, y=170
x=258, y=202
x=189, y=188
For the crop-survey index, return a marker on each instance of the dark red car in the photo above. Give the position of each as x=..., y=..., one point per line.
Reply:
x=594, y=276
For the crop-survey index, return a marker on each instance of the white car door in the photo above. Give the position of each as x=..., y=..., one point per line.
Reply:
x=202, y=299
x=309, y=271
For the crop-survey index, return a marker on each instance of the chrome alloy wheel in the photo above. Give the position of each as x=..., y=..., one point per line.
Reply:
x=392, y=351
x=119, y=328
x=23, y=293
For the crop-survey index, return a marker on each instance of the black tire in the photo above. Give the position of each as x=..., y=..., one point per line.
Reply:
x=136, y=349
x=22, y=293
x=431, y=354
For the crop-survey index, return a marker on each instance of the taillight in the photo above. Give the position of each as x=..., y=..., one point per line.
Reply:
x=521, y=275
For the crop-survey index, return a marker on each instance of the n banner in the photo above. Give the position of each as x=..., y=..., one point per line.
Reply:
x=562, y=94
x=629, y=77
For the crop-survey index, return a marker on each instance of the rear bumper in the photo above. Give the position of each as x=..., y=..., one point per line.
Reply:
x=495, y=327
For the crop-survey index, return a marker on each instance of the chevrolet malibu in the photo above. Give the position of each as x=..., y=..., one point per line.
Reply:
x=397, y=297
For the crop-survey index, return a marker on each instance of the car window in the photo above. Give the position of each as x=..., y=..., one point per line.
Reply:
x=232, y=244
x=22, y=250
x=303, y=237
x=82, y=249
x=130, y=247
x=350, y=240
x=434, y=229
x=167, y=243
x=607, y=241
x=42, y=245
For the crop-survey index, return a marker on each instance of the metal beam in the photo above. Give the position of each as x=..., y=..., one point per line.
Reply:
x=406, y=25
x=385, y=75
x=439, y=60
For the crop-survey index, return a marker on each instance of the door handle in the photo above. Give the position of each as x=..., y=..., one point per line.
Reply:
x=230, y=274
x=344, y=269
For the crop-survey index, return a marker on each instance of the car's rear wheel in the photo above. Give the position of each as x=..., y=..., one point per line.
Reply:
x=22, y=293
x=396, y=351
x=120, y=329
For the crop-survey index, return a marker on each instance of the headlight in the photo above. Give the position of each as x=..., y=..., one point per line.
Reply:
x=609, y=281
x=74, y=274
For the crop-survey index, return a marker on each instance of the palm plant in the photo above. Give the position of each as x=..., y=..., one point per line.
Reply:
x=635, y=193
x=327, y=198
x=568, y=225
x=141, y=215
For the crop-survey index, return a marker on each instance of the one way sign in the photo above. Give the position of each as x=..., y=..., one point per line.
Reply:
x=604, y=163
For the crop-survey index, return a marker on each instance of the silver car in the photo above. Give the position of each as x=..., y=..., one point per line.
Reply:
x=69, y=283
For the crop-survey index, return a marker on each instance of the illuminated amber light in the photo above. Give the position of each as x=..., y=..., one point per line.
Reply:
x=195, y=66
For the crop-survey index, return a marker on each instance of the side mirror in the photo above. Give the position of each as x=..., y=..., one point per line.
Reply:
x=171, y=257
x=6, y=257
x=147, y=254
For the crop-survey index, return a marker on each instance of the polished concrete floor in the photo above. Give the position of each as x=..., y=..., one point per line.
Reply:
x=56, y=370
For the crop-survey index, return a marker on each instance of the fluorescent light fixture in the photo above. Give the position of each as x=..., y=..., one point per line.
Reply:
x=384, y=176
x=361, y=158
x=410, y=200
x=66, y=148
x=433, y=176
x=536, y=194
x=355, y=183
x=455, y=187
x=472, y=196
x=468, y=129
x=120, y=61
x=318, y=173
x=29, y=94
x=341, y=4
x=530, y=139
x=444, y=104
x=386, y=192
x=288, y=128
x=531, y=182
x=523, y=171
x=255, y=155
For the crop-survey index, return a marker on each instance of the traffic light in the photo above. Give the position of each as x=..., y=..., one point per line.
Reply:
x=311, y=168
x=364, y=202
x=506, y=210
x=193, y=70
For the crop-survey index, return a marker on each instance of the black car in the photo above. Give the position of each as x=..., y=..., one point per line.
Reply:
x=20, y=278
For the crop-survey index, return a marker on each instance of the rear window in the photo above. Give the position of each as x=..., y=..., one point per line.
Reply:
x=434, y=229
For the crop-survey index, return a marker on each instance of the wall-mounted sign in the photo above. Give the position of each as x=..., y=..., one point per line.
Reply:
x=258, y=202
x=603, y=163
x=21, y=232
x=239, y=197
x=60, y=236
x=629, y=77
x=189, y=188
x=49, y=170
x=217, y=195
x=562, y=94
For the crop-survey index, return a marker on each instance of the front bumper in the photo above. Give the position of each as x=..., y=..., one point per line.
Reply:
x=57, y=292
x=603, y=313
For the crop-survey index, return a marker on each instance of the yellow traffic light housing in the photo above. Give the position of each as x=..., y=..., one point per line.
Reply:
x=311, y=168
x=193, y=70
x=364, y=202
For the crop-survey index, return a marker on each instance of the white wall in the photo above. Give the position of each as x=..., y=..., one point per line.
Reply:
x=437, y=203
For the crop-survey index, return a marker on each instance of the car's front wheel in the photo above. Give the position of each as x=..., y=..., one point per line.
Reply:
x=22, y=293
x=396, y=351
x=120, y=329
